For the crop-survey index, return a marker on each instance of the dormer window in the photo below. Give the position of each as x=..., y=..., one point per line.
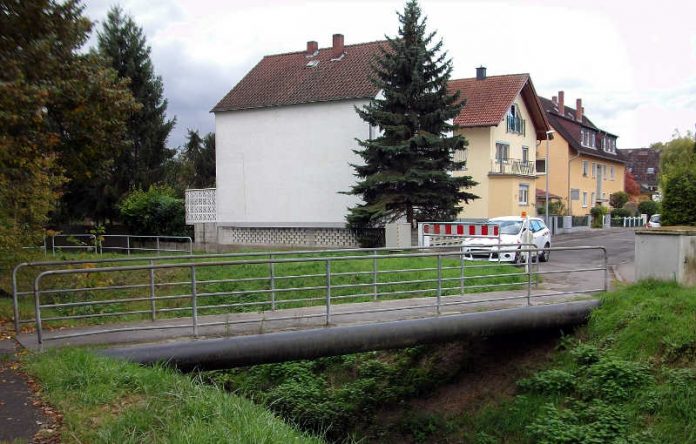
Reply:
x=587, y=138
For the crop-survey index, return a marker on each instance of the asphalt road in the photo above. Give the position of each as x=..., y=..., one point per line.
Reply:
x=619, y=243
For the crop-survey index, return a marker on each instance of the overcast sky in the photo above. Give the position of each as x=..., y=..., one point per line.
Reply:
x=633, y=62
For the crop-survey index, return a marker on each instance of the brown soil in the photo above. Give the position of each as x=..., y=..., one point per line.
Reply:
x=489, y=370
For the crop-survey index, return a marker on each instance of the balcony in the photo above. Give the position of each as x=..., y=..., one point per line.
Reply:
x=516, y=125
x=512, y=167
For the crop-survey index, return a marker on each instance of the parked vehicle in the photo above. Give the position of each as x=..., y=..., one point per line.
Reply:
x=653, y=222
x=514, y=231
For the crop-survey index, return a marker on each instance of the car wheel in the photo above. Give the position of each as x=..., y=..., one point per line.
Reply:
x=545, y=254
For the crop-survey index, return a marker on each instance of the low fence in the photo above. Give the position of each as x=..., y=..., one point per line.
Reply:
x=125, y=243
x=191, y=289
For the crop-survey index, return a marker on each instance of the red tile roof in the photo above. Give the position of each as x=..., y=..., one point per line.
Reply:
x=487, y=100
x=285, y=79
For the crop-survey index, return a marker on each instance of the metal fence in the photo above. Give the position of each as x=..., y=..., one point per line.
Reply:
x=125, y=243
x=191, y=289
x=33, y=269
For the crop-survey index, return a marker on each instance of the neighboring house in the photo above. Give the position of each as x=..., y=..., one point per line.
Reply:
x=503, y=121
x=644, y=164
x=285, y=137
x=584, y=165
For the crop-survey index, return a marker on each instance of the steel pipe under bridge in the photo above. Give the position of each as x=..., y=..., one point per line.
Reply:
x=211, y=354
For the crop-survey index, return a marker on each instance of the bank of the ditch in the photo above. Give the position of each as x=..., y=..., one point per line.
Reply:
x=628, y=377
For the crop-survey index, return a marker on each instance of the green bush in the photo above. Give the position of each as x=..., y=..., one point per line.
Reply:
x=619, y=213
x=618, y=199
x=598, y=213
x=632, y=208
x=679, y=198
x=155, y=211
x=648, y=207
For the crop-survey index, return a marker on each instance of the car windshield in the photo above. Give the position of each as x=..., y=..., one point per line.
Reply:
x=655, y=218
x=509, y=226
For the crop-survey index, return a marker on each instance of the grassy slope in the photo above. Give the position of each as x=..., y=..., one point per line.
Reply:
x=631, y=377
x=105, y=400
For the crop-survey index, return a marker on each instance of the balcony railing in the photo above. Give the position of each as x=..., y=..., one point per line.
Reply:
x=513, y=167
x=516, y=125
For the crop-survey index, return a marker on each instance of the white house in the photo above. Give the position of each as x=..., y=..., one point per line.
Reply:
x=285, y=136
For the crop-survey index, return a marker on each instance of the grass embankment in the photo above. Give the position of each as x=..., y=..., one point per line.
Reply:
x=105, y=400
x=628, y=377
x=246, y=287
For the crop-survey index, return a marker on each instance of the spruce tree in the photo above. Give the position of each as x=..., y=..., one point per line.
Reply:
x=121, y=41
x=407, y=168
x=199, y=154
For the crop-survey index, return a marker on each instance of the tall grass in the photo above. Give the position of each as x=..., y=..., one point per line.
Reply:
x=110, y=401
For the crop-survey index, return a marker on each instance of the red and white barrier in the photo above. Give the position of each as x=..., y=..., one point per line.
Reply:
x=427, y=231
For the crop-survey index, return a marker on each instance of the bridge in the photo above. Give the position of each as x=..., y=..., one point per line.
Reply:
x=222, y=310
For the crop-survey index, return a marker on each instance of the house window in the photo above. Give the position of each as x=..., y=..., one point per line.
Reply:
x=461, y=156
x=524, y=194
x=584, y=199
x=612, y=173
x=594, y=169
x=604, y=172
x=514, y=121
x=587, y=138
x=541, y=166
x=594, y=201
x=502, y=152
x=651, y=170
x=585, y=168
x=525, y=154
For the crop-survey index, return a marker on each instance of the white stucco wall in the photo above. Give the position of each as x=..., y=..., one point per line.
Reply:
x=285, y=166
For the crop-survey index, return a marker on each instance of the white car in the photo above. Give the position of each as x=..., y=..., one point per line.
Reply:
x=654, y=221
x=514, y=231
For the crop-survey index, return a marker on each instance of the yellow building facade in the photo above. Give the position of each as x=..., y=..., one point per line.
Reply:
x=503, y=123
x=584, y=166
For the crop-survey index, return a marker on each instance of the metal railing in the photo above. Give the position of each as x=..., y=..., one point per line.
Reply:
x=515, y=125
x=18, y=292
x=130, y=242
x=330, y=281
x=513, y=166
x=71, y=242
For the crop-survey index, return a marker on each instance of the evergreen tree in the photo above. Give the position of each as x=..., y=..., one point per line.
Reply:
x=200, y=153
x=407, y=170
x=121, y=41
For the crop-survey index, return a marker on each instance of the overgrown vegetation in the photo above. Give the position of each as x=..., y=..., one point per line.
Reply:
x=628, y=377
x=155, y=211
x=113, y=401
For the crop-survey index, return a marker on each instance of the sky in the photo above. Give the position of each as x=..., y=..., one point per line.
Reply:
x=632, y=62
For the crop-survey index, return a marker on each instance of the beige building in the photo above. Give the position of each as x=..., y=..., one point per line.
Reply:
x=585, y=167
x=504, y=122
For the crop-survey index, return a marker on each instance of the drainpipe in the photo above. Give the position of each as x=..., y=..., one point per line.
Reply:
x=570, y=201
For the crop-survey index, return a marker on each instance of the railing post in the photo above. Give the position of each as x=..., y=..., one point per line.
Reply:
x=374, y=275
x=37, y=313
x=15, y=299
x=328, y=292
x=190, y=245
x=529, y=276
x=439, y=282
x=461, y=273
x=45, y=246
x=273, y=293
x=606, y=270
x=128, y=245
x=53, y=244
x=194, y=301
x=153, y=308
x=157, y=245
x=96, y=244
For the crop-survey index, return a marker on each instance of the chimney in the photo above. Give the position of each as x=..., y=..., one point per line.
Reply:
x=578, y=110
x=554, y=99
x=481, y=73
x=561, y=103
x=312, y=47
x=338, y=47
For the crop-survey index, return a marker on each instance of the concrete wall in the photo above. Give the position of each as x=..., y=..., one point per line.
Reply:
x=285, y=166
x=667, y=253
